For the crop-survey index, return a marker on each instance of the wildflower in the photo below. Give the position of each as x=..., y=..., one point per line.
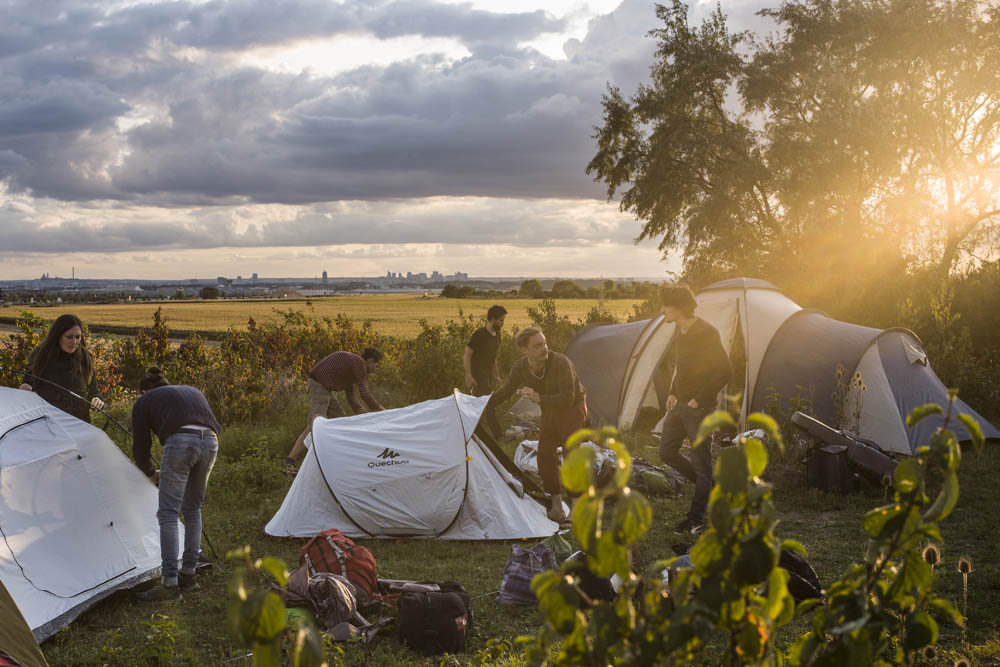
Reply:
x=931, y=555
x=965, y=565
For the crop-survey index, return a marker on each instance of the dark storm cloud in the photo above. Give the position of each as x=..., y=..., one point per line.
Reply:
x=501, y=222
x=513, y=123
x=53, y=107
x=226, y=26
x=80, y=27
x=505, y=121
x=151, y=105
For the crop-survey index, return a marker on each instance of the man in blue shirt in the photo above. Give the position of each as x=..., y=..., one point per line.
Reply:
x=189, y=432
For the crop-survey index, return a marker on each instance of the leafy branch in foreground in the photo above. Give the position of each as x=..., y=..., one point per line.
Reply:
x=735, y=584
x=257, y=619
x=882, y=611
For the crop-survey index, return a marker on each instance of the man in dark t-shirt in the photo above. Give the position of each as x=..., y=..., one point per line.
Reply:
x=702, y=370
x=480, y=361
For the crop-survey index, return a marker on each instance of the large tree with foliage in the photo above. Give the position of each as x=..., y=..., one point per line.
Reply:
x=860, y=137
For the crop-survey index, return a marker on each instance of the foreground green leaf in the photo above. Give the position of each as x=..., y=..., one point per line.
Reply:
x=974, y=431
x=632, y=518
x=756, y=457
x=770, y=427
x=577, y=471
x=921, y=630
x=731, y=470
x=946, y=500
x=921, y=412
x=719, y=419
x=262, y=616
x=275, y=567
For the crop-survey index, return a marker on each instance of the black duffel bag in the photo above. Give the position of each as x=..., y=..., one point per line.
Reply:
x=433, y=622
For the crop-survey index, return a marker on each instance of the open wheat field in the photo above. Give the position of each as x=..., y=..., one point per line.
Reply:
x=392, y=314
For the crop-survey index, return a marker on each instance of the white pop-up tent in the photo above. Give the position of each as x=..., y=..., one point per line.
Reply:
x=77, y=518
x=418, y=471
x=792, y=359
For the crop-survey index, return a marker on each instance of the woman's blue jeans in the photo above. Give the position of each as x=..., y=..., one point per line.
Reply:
x=187, y=462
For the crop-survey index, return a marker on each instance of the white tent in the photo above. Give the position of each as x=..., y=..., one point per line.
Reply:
x=418, y=471
x=792, y=358
x=77, y=518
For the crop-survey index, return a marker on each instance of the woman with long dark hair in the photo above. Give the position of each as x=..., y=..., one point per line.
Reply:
x=65, y=362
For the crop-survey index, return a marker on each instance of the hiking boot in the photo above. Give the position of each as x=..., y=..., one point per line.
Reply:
x=689, y=527
x=187, y=582
x=161, y=593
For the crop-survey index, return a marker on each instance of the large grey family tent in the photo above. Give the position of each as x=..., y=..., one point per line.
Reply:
x=77, y=518
x=791, y=353
x=418, y=471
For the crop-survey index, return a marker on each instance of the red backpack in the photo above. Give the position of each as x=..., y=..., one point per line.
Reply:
x=331, y=551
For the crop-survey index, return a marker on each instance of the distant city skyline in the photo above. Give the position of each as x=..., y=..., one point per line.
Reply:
x=433, y=276
x=603, y=260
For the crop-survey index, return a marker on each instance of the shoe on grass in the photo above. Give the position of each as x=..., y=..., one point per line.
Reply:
x=187, y=582
x=160, y=593
x=689, y=527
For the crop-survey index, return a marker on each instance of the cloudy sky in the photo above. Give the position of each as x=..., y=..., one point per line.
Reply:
x=186, y=138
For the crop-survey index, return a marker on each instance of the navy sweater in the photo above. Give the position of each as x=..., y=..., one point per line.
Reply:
x=164, y=410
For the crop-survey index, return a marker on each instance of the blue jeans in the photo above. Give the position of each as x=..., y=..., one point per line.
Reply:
x=683, y=421
x=187, y=463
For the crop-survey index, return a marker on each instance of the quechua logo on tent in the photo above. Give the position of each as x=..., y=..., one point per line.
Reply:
x=390, y=457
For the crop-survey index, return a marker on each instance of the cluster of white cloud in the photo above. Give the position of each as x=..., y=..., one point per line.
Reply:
x=129, y=127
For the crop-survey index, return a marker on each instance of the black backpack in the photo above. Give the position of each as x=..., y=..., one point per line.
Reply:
x=594, y=587
x=803, y=583
x=433, y=622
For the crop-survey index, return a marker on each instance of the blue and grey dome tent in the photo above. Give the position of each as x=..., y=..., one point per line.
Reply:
x=790, y=353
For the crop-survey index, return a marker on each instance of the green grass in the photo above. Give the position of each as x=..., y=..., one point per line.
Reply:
x=247, y=486
x=392, y=314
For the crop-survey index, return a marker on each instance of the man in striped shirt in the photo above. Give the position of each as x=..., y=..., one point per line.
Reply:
x=340, y=371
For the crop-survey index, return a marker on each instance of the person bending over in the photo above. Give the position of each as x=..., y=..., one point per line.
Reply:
x=189, y=432
x=702, y=371
x=339, y=371
x=480, y=361
x=65, y=362
x=548, y=379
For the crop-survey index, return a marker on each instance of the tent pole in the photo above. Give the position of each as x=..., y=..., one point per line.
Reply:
x=744, y=311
